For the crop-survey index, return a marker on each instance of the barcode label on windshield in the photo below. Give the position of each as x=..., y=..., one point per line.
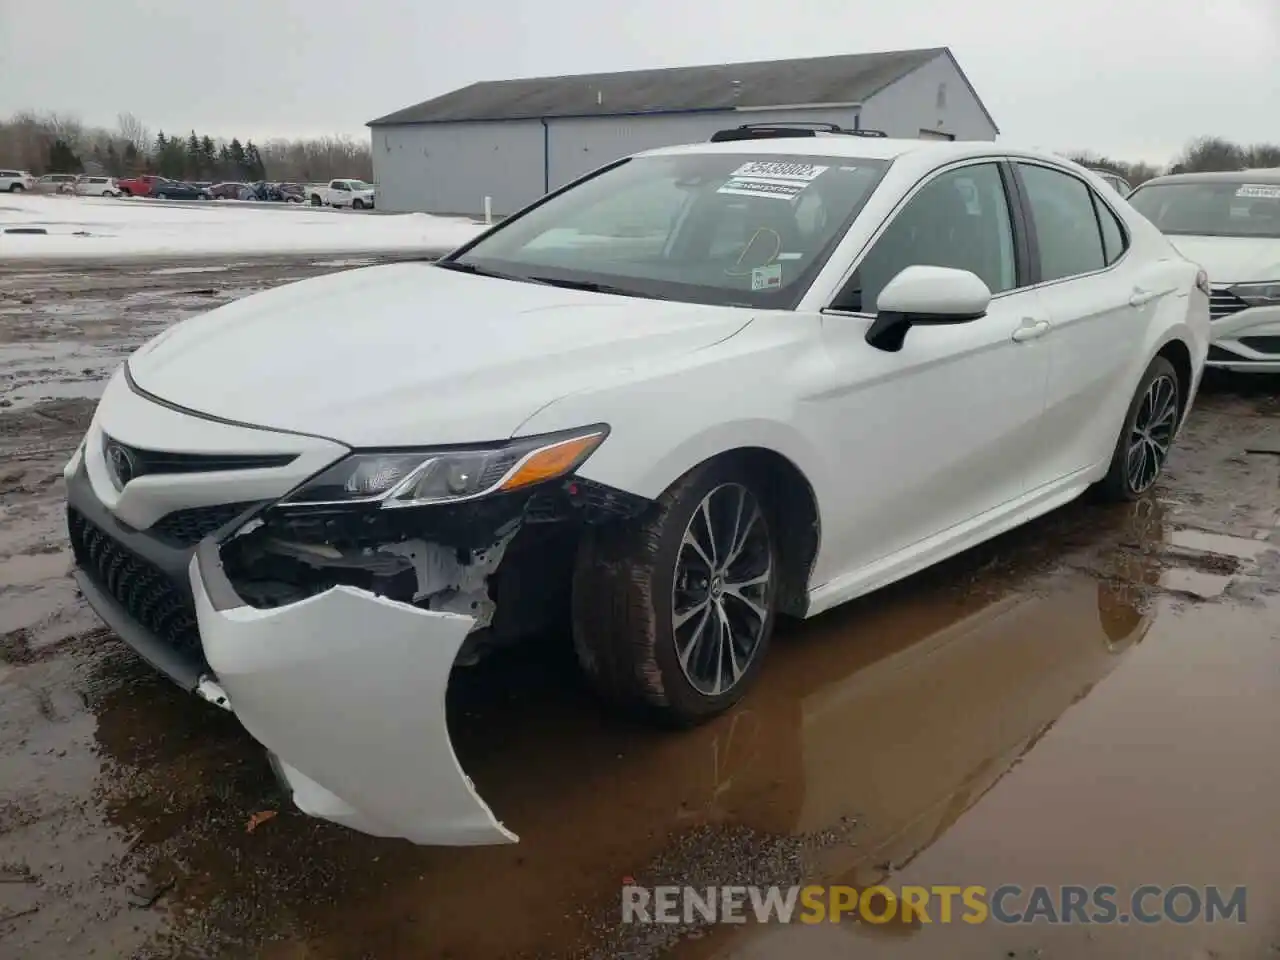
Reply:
x=779, y=170
x=762, y=188
x=1259, y=191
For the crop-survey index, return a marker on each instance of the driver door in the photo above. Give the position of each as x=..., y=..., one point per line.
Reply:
x=935, y=435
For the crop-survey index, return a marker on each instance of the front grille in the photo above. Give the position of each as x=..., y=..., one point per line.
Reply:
x=146, y=594
x=190, y=526
x=1223, y=303
x=1262, y=344
x=156, y=461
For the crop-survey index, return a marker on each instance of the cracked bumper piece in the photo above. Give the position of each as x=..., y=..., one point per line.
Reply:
x=347, y=691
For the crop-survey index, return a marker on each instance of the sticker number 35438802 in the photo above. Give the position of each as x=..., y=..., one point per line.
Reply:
x=1259, y=191
x=772, y=178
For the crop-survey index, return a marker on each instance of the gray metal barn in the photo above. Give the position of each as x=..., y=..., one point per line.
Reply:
x=514, y=140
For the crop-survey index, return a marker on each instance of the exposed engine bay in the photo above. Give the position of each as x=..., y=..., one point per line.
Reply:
x=505, y=561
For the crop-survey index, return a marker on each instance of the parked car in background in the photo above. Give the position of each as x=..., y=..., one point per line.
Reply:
x=227, y=190
x=293, y=192
x=268, y=192
x=164, y=189
x=1113, y=179
x=355, y=194
x=16, y=181
x=56, y=183
x=701, y=387
x=139, y=186
x=97, y=187
x=1229, y=223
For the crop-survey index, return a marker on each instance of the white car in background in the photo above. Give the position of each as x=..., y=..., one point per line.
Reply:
x=1229, y=223
x=355, y=194
x=16, y=181
x=87, y=186
x=1116, y=182
x=705, y=386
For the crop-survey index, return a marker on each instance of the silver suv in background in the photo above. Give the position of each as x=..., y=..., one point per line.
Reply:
x=1113, y=179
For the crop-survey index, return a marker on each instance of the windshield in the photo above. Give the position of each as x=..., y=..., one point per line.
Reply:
x=729, y=229
x=1216, y=208
x=360, y=185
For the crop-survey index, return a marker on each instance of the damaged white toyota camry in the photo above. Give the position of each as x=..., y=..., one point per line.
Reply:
x=699, y=388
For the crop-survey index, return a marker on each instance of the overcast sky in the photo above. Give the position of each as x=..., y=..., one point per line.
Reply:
x=1130, y=78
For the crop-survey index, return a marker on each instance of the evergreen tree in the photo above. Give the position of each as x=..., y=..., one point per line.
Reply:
x=208, y=157
x=239, y=165
x=62, y=158
x=162, y=143
x=195, y=159
x=253, y=160
x=226, y=164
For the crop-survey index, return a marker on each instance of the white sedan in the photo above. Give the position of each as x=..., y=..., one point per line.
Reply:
x=706, y=386
x=1229, y=223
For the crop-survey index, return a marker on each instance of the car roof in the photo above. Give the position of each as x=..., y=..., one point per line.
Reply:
x=919, y=155
x=1261, y=175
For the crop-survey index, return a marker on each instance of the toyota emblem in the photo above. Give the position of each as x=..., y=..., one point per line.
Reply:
x=120, y=462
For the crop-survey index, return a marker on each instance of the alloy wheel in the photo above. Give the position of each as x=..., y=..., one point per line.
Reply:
x=723, y=579
x=1152, y=433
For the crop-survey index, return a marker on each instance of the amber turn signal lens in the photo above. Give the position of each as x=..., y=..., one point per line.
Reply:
x=553, y=461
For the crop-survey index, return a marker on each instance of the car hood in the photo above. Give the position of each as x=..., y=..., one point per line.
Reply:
x=410, y=354
x=1232, y=259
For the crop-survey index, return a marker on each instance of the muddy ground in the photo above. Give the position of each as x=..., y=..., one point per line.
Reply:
x=1094, y=699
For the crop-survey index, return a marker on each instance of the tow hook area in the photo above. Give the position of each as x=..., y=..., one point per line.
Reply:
x=208, y=689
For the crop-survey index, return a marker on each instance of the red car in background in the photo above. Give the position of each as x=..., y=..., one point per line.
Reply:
x=137, y=186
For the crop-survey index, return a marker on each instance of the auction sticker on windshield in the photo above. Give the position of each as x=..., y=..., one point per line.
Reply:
x=1259, y=191
x=772, y=178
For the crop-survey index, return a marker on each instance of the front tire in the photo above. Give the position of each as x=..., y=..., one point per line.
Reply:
x=674, y=612
x=316, y=201
x=357, y=204
x=16, y=188
x=1149, y=428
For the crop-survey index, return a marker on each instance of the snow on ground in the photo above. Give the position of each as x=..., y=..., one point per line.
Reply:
x=95, y=228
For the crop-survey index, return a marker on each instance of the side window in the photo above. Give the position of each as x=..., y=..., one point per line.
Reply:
x=1066, y=226
x=1114, y=240
x=960, y=219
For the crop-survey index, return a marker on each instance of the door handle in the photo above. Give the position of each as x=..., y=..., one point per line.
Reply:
x=1030, y=330
x=1142, y=296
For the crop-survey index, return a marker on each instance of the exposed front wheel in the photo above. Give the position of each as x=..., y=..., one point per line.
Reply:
x=675, y=611
x=357, y=204
x=16, y=188
x=1149, y=428
x=316, y=201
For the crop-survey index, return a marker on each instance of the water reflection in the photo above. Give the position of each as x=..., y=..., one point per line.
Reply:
x=898, y=711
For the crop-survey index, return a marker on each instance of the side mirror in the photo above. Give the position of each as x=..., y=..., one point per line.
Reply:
x=922, y=295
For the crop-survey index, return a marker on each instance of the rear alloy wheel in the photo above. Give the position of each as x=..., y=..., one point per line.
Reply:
x=674, y=612
x=16, y=188
x=1149, y=429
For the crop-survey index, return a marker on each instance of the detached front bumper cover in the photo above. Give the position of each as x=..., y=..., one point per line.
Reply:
x=347, y=690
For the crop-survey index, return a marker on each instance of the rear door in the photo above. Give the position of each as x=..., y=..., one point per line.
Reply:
x=1099, y=304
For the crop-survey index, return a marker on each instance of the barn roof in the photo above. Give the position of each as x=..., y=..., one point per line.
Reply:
x=848, y=78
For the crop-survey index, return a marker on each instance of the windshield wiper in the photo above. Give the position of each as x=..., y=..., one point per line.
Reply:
x=590, y=286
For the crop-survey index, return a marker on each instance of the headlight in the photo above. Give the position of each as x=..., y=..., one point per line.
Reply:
x=416, y=478
x=1257, y=294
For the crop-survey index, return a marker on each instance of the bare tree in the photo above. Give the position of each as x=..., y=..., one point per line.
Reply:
x=132, y=130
